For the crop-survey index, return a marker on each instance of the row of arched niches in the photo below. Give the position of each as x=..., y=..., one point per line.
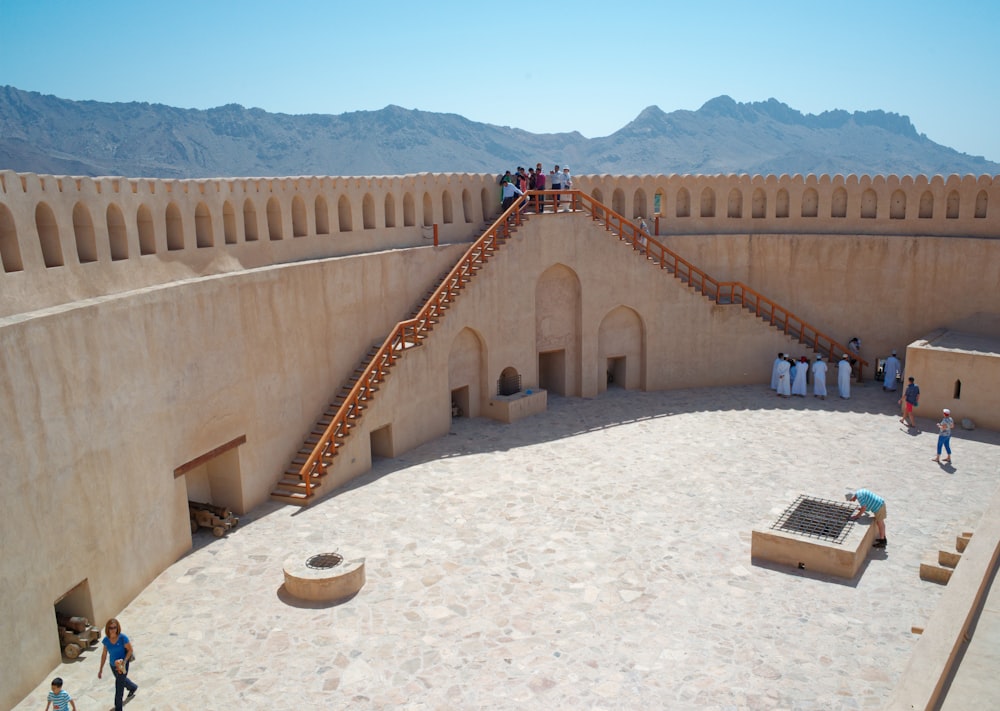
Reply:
x=50, y=222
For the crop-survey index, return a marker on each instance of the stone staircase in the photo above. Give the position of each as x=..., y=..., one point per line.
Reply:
x=939, y=569
x=304, y=476
x=301, y=480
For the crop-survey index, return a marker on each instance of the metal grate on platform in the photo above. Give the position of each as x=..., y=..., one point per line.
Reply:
x=817, y=518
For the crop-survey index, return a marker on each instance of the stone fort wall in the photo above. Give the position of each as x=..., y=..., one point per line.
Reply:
x=67, y=238
x=145, y=324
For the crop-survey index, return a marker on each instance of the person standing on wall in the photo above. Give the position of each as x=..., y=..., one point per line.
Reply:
x=910, y=399
x=510, y=193
x=844, y=378
x=119, y=648
x=555, y=182
x=540, y=185
x=945, y=426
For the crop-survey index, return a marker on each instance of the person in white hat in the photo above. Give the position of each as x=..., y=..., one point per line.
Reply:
x=873, y=503
x=819, y=377
x=945, y=426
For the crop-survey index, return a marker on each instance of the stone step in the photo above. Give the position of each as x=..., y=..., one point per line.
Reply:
x=932, y=572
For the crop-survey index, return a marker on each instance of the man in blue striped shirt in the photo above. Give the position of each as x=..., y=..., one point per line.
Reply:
x=873, y=503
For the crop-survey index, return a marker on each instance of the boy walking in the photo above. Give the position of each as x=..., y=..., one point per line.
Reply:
x=59, y=700
x=910, y=399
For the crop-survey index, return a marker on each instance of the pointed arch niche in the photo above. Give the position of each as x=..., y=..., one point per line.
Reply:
x=557, y=330
x=466, y=374
x=620, y=352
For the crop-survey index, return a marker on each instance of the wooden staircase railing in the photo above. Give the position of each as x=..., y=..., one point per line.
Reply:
x=298, y=483
x=722, y=292
x=310, y=464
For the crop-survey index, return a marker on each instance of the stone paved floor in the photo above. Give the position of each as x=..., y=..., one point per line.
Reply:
x=596, y=556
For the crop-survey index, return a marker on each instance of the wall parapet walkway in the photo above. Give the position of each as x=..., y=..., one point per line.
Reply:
x=66, y=238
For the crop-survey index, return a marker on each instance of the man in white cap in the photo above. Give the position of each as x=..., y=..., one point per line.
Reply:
x=844, y=378
x=873, y=503
x=819, y=377
x=774, y=370
x=945, y=426
x=891, y=372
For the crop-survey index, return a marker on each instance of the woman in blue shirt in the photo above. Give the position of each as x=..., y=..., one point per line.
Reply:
x=118, y=647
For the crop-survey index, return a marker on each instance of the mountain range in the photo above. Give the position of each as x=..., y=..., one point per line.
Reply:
x=46, y=134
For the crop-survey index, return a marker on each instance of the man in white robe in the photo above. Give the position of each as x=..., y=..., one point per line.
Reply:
x=844, y=377
x=799, y=385
x=784, y=377
x=819, y=378
x=892, y=371
x=774, y=370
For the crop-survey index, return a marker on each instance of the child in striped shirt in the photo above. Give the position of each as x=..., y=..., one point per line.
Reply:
x=59, y=700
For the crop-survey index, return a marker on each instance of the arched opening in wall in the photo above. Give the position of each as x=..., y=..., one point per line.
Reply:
x=409, y=211
x=229, y=223
x=467, y=207
x=810, y=203
x=83, y=230
x=734, y=204
x=428, y=210
x=447, y=209
x=487, y=203
x=389, y=208
x=509, y=382
x=300, y=218
x=48, y=236
x=869, y=204
x=214, y=481
x=599, y=196
x=466, y=373
x=781, y=203
x=147, y=234
x=707, y=203
x=982, y=200
x=897, y=205
x=957, y=393
x=322, y=215
x=368, y=212
x=344, y=216
x=758, y=204
x=77, y=629
x=639, y=206
x=117, y=234
x=250, y=233
x=558, y=319
x=175, y=228
x=618, y=201
x=926, y=205
x=10, y=250
x=203, y=236
x=951, y=208
x=683, y=203
x=274, y=231
x=838, y=204
x=620, y=349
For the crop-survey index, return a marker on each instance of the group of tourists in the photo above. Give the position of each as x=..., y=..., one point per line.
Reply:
x=117, y=648
x=521, y=181
x=790, y=376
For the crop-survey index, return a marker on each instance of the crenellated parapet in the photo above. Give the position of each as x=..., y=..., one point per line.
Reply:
x=966, y=206
x=67, y=238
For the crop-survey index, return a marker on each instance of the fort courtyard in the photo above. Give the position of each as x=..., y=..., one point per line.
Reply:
x=593, y=556
x=586, y=544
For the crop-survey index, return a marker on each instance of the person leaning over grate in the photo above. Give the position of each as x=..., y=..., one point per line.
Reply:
x=874, y=504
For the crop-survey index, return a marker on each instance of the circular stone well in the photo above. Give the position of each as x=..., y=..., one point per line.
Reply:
x=324, y=577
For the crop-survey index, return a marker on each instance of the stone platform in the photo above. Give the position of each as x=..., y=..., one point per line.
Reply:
x=593, y=556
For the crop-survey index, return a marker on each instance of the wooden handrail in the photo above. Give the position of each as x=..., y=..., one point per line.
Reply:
x=408, y=333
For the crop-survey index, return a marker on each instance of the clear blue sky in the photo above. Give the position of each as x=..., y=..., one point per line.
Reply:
x=541, y=66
